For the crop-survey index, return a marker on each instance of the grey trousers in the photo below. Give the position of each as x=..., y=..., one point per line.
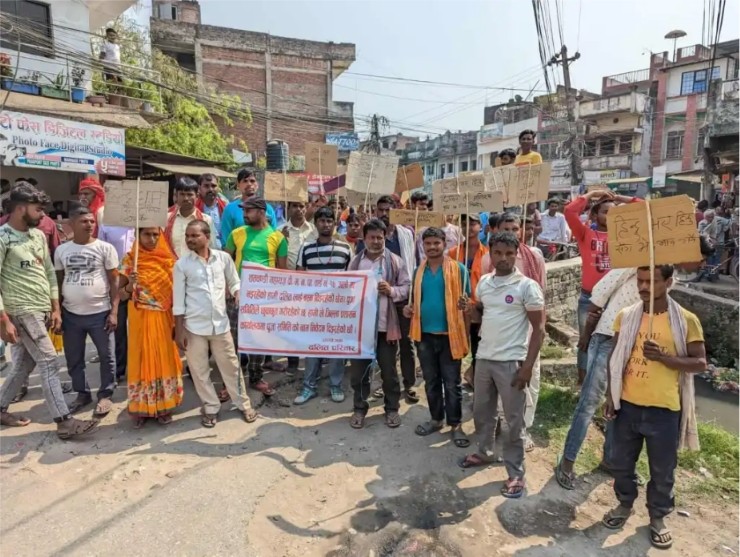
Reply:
x=493, y=380
x=34, y=349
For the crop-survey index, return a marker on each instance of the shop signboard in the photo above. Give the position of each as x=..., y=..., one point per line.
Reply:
x=347, y=141
x=45, y=142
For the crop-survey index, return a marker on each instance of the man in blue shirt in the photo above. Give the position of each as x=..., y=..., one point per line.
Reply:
x=233, y=215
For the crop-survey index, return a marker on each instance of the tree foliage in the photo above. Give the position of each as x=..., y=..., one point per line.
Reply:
x=189, y=107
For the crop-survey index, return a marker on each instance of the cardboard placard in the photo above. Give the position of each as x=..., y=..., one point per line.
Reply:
x=596, y=187
x=281, y=186
x=373, y=173
x=475, y=202
x=414, y=177
x=321, y=159
x=675, y=236
x=520, y=184
x=120, y=203
x=358, y=198
x=417, y=218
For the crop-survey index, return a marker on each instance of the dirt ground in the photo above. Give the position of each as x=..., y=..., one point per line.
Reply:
x=300, y=482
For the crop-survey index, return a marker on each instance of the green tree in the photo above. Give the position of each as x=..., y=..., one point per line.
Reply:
x=189, y=107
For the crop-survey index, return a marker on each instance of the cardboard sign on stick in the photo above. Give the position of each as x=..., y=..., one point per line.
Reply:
x=281, y=186
x=469, y=182
x=675, y=237
x=120, y=203
x=321, y=159
x=358, y=198
x=373, y=173
x=417, y=218
x=529, y=183
x=414, y=177
x=476, y=202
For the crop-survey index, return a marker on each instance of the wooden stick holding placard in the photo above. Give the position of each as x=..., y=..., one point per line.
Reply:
x=651, y=252
x=136, y=230
x=369, y=181
x=466, y=242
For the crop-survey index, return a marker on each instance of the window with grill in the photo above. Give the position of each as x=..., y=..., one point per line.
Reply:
x=34, y=16
x=607, y=147
x=589, y=148
x=463, y=166
x=625, y=145
x=696, y=81
x=674, y=145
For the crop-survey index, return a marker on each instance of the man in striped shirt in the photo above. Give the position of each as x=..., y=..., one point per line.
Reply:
x=326, y=254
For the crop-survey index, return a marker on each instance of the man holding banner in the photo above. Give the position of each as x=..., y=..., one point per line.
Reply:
x=393, y=289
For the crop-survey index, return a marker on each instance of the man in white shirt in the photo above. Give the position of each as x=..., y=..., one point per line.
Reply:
x=110, y=53
x=554, y=227
x=298, y=231
x=88, y=286
x=183, y=213
x=512, y=306
x=203, y=277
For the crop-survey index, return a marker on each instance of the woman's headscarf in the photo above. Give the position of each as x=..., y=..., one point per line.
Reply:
x=155, y=270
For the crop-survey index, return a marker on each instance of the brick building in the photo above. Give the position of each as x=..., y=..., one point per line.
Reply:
x=287, y=82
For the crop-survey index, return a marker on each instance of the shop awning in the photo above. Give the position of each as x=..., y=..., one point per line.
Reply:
x=191, y=170
x=628, y=181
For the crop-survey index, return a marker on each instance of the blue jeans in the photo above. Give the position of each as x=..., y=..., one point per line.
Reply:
x=584, y=301
x=76, y=328
x=592, y=396
x=313, y=369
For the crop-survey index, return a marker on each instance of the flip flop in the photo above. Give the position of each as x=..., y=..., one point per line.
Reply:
x=472, y=461
x=357, y=421
x=12, y=420
x=615, y=522
x=392, y=420
x=564, y=479
x=460, y=439
x=427, y=428
x=513, y=488
x=662, y=538
x=250, y=416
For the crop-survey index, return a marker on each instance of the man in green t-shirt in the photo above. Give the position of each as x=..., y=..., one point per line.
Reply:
x=256, y=242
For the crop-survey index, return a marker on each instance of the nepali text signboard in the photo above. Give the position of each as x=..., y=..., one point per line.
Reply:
x=120, y=203
x=307, y=314
x=33, y=141
x=675, y=237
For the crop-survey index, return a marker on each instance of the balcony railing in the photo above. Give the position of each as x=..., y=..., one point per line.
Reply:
x=626, y=78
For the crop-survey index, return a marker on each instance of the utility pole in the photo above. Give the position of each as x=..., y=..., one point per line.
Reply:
x=376, y=124
x=570, y=144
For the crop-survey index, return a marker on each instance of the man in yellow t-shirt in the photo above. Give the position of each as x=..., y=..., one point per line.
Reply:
x=650, y=400
x=526, y=155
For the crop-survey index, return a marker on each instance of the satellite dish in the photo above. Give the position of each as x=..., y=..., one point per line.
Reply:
x=675, y=35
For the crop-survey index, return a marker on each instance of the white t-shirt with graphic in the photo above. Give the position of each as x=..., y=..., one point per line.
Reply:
x=85, y=290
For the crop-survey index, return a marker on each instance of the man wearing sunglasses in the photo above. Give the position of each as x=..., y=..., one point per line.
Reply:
x=233, y=215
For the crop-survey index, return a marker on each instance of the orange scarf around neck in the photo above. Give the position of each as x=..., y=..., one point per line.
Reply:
x=456, y=329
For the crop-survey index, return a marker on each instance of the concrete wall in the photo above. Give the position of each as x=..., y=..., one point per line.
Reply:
x=718, y=316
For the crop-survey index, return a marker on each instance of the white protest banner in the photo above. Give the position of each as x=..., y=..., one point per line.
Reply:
x=371, y=173
x=120, y=203
x=307, y=314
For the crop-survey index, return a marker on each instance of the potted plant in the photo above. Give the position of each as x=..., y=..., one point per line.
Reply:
x=57, y=88
x=6, y=65
x=77, y=76
x=27, y=84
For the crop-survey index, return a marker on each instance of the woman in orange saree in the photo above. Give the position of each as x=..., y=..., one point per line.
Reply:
x=154, y=365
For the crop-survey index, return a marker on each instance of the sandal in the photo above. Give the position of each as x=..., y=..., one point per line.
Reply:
x=21, y=394
x=565, y=479
x=472, y=461
x=273, y=366
x=223, y=395
x=427, y=428
x=165, y=419
x=460, y=439
x=392, y=419
x=411, y=396
x=103, y=407
x=528, y=443
x=139, y=423
x=72, y=427
x=12, y=420
x=264, y=387
x=662, y=538
x=513, y=488
x=357, y=421
x=615, y=521
x=209, y=420
x=249, y=416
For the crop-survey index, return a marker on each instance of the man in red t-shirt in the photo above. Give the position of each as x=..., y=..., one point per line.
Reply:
x=593, y=246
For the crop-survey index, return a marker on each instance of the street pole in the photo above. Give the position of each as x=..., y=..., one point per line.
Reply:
x=571, y=145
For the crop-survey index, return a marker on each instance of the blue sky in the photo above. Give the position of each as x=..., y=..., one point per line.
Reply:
x=489, y=43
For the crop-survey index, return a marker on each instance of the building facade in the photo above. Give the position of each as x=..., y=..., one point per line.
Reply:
x=444, y=156
x=286, y=82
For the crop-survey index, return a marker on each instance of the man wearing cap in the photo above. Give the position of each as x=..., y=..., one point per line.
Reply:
x=233, y=216
x=256, y=242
